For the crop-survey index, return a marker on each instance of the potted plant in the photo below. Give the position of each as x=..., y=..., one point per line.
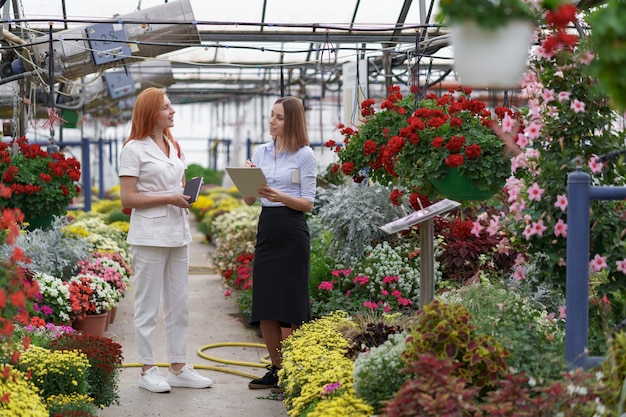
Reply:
x=105, y=357
x=41, y=184
x=608, y=42
x=490, y=39
x=53, y=301
x=425, y=144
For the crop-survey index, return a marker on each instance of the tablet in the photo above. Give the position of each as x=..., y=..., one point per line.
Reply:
x=247, y=179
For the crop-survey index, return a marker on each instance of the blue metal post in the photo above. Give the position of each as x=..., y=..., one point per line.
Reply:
x=577, y=271
x=101, y=169
x=86, y=169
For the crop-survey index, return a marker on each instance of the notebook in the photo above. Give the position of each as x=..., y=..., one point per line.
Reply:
x=192, y=188
x=247, y=179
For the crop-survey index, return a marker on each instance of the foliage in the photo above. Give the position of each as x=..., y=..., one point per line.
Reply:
x=62, y=262
x=410, y=143
x=567, y=121
x=210, y=175
x=466, y=252
x=525, y=329
x=105, y=357
x=103, y=237
x=313, y=359
x=385, y=279
x=489, y=14
x=41, y=336
x=434, y=390
x=244, y=302
x=71, y=405
x=20, y=397
x=56, y=372
x=353, y=216
x=53, y=301
x=17, y=289
x=377, y=372
x=40, y=183
x=322, y=258
x=608, y=41
x=446, y=331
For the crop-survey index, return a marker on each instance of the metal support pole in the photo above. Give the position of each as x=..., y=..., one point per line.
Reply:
x=577, y=271
x=86, y=169
x=101, y=169
x=427, y=265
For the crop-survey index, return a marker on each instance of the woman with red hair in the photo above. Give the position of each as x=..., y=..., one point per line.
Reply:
x=151, y=183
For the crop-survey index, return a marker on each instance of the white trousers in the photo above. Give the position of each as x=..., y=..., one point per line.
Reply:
x=161, y=271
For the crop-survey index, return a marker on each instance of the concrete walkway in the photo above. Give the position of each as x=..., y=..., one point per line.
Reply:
x=213, y=319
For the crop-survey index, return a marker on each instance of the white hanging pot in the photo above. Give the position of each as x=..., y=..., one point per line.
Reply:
x=491, y=58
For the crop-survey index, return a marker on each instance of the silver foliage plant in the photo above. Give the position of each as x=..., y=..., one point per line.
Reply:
x=353, y=215
x=51, y=251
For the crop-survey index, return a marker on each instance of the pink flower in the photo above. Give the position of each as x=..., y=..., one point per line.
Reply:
x=528, y=232
x=494, y=226
x=547, y=95
x=228, y=292
x=598, y=263
x=562, y=312
x=361, y=279
x=594, y=165
x=476, y=228
x=370, y=305
x=560, y=228
x=384, y=292
x=563, y=96
x=621, y=266
x=519, y=274
x=577, y=106
x=325, y=285
x=535, y=192
x=561, y=202
x=389, y=279
x=538, y=227
x=586, y=58
x=507, y=123
x=533, y=130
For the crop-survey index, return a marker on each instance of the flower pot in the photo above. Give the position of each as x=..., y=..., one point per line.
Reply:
x=456, y=187
x=112, y=314
x=41, y=222
x=494, y=58
x=94, y=324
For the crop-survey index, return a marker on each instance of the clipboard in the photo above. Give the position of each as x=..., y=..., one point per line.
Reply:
x=247, y=179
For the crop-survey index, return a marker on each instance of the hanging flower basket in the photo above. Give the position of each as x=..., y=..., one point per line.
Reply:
x=456, y=187
x=491, y=57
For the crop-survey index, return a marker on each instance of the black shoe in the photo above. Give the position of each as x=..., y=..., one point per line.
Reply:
x=268, y=381
x=276, y=389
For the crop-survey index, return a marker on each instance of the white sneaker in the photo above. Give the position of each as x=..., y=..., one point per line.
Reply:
x=188, y=378
x=153, y=381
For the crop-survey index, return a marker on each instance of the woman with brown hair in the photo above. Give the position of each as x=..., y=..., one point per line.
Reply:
x=151, y=183
x=280, y=289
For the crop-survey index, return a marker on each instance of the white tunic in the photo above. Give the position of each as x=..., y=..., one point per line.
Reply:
x=166, y=225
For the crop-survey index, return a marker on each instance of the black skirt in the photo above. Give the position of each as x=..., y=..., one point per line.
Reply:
x=280, y=273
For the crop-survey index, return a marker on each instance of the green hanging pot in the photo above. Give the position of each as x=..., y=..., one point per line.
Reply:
x=456, y=187
x=41, y=222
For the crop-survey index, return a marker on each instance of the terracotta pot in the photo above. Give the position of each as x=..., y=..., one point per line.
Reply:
x=494, y=58
x=92, y=323
x=112, y=314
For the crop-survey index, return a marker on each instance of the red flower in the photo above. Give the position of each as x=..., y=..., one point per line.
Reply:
x=396, y=197
x=347, y=168
x=454, y=161
x=455, y=143
x=437, y=142
x=473, y=151
x=369, y=147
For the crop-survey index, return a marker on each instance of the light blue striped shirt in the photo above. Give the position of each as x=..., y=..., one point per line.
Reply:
x=293, y=173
